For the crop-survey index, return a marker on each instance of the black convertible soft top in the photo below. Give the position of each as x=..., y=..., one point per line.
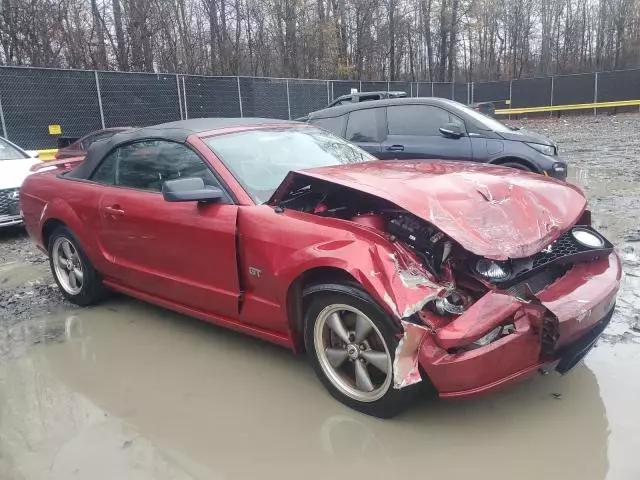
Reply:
x=174, y=131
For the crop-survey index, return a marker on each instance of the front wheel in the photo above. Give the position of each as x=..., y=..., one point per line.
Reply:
x=516, y=165
x=351, y=343
x=78, y=281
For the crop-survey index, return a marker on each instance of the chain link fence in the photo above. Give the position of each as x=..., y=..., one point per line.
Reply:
x=34, y=99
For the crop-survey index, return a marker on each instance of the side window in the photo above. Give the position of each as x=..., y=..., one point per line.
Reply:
x=106, y=171
x=335, y=124
x=362, y=126
x=421, y=120
x=148, y=164
x=458, y=121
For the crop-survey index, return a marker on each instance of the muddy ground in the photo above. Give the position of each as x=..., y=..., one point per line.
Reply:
x=130, y=391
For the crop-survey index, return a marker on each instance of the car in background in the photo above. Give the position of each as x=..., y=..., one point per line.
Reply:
x=365, y=97
x=390, y=275
x=437, y=128
x=360, y=97
x=15, y=166
x=488, y=108
x=79, y=147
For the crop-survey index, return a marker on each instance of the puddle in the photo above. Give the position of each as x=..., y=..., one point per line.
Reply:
x=130, y=391
x=13, y=274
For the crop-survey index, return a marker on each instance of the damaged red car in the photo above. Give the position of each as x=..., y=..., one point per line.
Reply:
x=399, y=279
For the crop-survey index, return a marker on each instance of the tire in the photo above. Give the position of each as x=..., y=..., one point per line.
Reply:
x=517, y=166
x=349, y=302
x=65, y=250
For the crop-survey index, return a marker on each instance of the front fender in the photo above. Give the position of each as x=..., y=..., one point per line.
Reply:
x=389, y=272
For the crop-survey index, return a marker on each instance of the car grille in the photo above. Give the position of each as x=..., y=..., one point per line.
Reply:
x=562, y=247
x=9, y=206
x=532, y=274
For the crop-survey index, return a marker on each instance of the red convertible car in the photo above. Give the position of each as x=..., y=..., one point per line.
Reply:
x=398, y=278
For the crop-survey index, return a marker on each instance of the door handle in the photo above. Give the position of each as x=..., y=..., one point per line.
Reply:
x=395, y=148
x=114, y=210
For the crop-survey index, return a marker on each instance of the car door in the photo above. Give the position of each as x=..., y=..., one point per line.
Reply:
x=364, y=127
x=413, y=132
x=181, y=252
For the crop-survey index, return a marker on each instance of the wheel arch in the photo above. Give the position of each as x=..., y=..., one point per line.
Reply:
x=299, y=292
x=48, y=227
x=511, y=159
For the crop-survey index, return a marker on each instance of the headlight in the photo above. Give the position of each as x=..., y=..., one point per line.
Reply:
x=14, y=194
x=544, y=149
x=493, y=270
x=587, y=238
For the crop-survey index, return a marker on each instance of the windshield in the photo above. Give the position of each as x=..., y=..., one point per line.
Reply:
x=9, y=152
x=486, y=122
x=260, y=159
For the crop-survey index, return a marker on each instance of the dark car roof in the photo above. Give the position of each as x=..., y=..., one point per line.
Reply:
x=382, y=93
x=342, y=109
x=177, y=131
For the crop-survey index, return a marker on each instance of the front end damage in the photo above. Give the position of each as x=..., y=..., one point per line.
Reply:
x=474, y=322
x=508, y=331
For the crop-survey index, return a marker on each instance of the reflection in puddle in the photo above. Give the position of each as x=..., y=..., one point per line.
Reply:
x=126, y=390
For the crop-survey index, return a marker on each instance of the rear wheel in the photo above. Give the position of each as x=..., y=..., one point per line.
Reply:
x=78, y=281
x=351, y=343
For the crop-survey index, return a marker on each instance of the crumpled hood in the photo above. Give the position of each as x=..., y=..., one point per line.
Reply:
x=492, y=211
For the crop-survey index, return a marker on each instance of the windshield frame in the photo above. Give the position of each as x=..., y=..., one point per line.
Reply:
x=485, y=122
x=211, y=136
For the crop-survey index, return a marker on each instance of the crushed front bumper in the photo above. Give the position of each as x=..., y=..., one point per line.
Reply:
x=559, y=326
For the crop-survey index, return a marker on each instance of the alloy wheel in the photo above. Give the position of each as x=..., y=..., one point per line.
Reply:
x=67, y=265
x=352, y=352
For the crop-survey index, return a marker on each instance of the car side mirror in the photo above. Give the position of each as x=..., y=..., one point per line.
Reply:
x=451, y=130
x=190, y=190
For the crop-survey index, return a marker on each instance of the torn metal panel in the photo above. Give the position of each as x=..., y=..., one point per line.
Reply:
x=479, y=319
x=583, y=296
x=405, y=365
x=408, y=286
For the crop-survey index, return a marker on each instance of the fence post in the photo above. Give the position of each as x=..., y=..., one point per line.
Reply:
x=388, y=86
x=239, y=97
x=417, y=89
x=473, y=92
x=453, y=91
x=4, y=126
x=288, y=100
x=184, y=95
x=95, y=73
x=552, y=85
x=432, y=89
x=360, y=89
x=180, y=97
x=468, y=93
x=328, y=94
x=510, y=95
x=595, y=93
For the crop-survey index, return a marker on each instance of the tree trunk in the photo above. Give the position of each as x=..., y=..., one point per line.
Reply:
x=122, y=54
